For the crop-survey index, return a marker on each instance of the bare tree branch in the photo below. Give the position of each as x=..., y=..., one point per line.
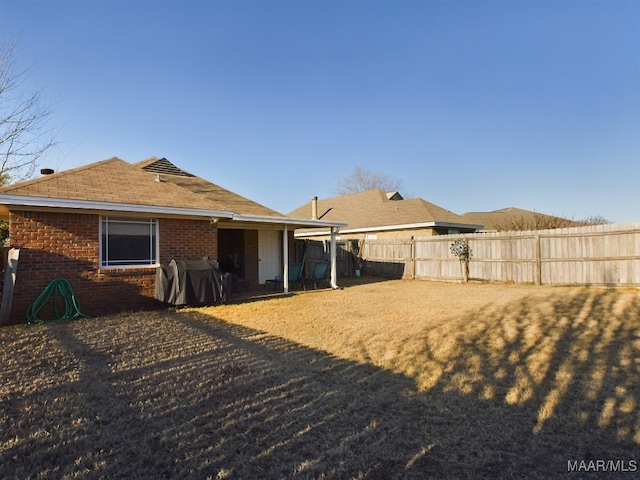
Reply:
x=361, y=179
x=25, y=134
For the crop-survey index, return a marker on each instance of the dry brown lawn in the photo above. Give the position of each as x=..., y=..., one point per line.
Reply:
x=394, y=379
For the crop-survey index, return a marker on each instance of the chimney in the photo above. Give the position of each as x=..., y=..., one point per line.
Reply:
x=46, y=171
x=314, y=208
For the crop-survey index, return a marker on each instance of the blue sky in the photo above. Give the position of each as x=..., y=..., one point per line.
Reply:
x=474, y=105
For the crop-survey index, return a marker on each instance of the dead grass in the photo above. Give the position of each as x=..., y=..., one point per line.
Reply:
x=398, y=379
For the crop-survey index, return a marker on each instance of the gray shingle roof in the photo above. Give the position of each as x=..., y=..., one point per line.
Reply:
x=374, y=208
x=153, y=182
x=511, y=218
x=219, y=198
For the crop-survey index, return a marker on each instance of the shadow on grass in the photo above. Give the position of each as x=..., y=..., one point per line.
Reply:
x=555, y=379
x=183, y=395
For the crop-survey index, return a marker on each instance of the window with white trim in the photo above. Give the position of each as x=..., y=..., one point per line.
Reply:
x=128, y=242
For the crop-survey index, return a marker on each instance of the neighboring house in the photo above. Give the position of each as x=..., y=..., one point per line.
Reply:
x=375, y=214
x=105, y=227
x=513, y=218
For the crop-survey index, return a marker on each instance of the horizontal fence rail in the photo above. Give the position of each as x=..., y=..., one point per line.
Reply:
x=598, y=255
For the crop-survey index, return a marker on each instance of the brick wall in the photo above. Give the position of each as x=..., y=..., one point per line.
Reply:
x=66, y=245
x=187, y=240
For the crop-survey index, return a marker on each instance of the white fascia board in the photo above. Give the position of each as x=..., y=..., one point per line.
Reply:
x=46, y=202
x=410, y=226
x=319, y=233
x=295, y=222
x=387, y=228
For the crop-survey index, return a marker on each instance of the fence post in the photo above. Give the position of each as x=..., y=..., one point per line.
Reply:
x=413, y=258
x=538, y=259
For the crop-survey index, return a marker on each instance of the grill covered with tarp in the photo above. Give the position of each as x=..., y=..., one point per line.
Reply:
x=192, y=282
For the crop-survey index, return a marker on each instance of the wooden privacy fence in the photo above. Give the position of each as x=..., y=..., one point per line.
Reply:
x=599, y=255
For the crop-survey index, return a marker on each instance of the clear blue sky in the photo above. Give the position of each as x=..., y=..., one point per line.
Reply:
x=474, y=105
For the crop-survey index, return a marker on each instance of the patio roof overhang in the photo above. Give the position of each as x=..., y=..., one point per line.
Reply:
x=240, y=221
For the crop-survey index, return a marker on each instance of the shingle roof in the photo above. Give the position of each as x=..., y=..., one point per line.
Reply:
x=154, y=182
x=512, y=217
x=374, y=208
x=219, y=198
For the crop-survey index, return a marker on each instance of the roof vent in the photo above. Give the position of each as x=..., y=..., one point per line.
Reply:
x=46, y=171
x=394, y=196
x=165, y=167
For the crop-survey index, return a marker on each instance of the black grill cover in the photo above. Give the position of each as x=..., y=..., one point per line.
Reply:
x=192, y=282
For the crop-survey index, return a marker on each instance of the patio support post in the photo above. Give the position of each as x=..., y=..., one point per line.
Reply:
x=285, y=258
x=334, y=263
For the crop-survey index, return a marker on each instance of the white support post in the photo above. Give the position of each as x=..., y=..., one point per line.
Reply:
x=334, y=263
x=285, y=259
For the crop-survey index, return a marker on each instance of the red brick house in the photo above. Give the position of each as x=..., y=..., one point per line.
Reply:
x=106, y=226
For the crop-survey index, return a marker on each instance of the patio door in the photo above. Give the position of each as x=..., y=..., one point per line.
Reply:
x=269, y=255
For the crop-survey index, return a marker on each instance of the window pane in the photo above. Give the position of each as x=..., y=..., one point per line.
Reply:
x=121, y=228
x=128, y=242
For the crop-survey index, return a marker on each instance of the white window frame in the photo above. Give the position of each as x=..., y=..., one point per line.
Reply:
x=154, y=232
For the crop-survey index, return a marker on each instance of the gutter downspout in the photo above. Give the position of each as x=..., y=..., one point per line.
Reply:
x=334, y=268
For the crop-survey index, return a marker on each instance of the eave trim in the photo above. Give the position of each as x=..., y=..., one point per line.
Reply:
x=289, y=221
x=53, y=202
x=387, y=228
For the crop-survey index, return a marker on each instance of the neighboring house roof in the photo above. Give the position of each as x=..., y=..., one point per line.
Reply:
x=378, y=210
x=154, y=186
x=513, y=218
